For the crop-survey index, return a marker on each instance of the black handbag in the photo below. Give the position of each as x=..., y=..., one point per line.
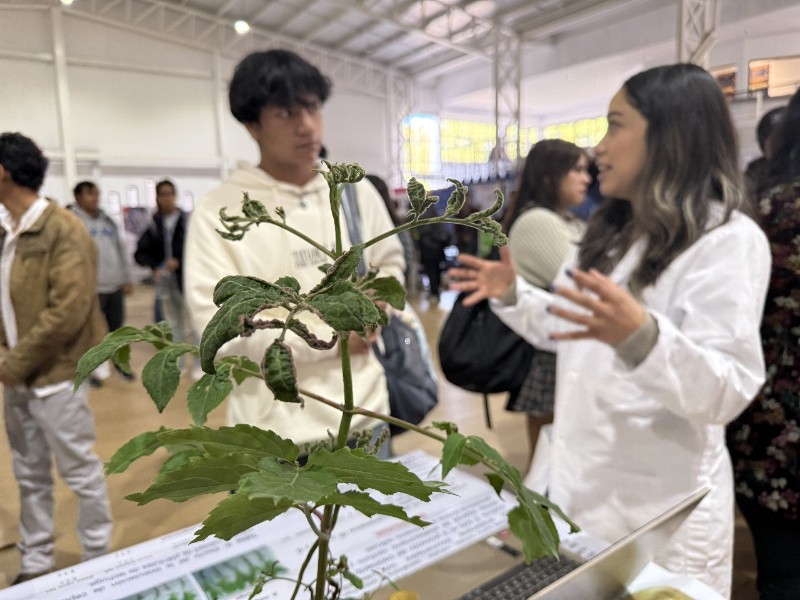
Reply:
x=479, y=353
x=403, y=353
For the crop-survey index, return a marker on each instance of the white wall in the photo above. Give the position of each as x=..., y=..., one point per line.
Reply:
x=142, y=108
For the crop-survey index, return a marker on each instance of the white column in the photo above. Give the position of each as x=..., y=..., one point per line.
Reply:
x=62, y=97
x=507, y=81
x=400, y=99
x=219, y=113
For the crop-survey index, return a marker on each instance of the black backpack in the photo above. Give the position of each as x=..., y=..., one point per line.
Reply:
x=479, y=353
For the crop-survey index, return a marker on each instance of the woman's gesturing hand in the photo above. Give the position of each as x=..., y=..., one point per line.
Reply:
x=613, y=313
x=484, y=278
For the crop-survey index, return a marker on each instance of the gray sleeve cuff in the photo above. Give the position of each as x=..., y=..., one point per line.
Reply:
x=510, y=297
x=635, y=348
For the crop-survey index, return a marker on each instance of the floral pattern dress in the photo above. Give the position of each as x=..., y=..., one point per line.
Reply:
x=764, y=441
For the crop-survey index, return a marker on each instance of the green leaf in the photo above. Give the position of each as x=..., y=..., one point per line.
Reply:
x=367, y=472
x=483, y=214
x=480, y=446
x=240, y=438
x=451, y=452
x=345, y=308
x=353, y=578
x=232, y=285
x=536, y=530
x=279, y=372
x=161, y=374
x=161, y=331
x=344, y=267
x=367, y=505
x=494, y=229
x=418, y=199
x=253, y=209
x=496, y=481
x=389, y=290
x=143, y=444
x=208, y=392
x=339, y=173
x=179, y=457
x=198, y=476
x=529, y=498
x=457, y=199
x=446, y=426
x=122, y=358
x=239, y=297
x=241, y=368
x=111, y=344
x=238, y=513
x=282, y=480
x=289, y=283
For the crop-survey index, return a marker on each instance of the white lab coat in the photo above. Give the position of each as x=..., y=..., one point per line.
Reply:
x=629, y=443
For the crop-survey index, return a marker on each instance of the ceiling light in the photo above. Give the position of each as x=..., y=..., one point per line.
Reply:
x=241, y=27
x=66, y=2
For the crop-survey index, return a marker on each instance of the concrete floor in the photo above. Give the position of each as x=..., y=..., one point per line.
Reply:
x=122, y=410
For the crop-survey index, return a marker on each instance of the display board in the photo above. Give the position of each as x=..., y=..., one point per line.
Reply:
x=378, y=549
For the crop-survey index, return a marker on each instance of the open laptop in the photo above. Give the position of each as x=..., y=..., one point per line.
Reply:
x=604, y=576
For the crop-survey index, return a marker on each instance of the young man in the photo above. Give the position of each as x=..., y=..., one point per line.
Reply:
x=50, y=317
x=113, y=273
x=161, y=248
x=278, y=97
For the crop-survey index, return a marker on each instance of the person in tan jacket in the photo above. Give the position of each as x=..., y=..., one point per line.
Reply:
x=50, y=316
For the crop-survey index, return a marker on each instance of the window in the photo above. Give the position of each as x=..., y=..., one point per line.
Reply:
x=436, y=149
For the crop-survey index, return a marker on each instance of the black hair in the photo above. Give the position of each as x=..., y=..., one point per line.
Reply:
x=546, y=165
x=785, y=162
x=23, y=159
x=274, y=77
x=164, y=182
x=692, y=160
x=766, y=126
x=83, y=186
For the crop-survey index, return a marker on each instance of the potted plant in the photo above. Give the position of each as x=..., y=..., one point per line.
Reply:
x=262, y=467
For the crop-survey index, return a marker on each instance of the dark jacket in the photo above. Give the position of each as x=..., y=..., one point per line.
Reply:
x=150, y=248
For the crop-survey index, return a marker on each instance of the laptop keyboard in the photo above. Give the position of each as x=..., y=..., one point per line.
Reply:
x=519, y=582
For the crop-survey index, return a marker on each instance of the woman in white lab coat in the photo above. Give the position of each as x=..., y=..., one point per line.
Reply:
x=655, y=319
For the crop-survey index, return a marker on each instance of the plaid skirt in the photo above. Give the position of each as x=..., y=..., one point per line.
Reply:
x=537, y=394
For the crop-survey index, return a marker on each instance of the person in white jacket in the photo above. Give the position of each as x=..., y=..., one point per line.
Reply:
x=278, y=97
x=655, y=319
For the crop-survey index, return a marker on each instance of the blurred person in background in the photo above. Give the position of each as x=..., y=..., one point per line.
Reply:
x=764, y=441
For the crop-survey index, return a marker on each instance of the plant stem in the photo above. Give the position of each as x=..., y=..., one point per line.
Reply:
x=303, y=569
x=347, y=381
x=421, y=222
x=375, y=415
x=322, y=553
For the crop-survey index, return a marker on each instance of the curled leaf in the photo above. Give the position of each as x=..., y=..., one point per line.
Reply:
x=254, y=209
x=279, y=372
x=457, y=199
x=418, y=199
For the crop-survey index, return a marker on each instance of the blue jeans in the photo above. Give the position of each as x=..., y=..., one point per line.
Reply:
x=777, y=545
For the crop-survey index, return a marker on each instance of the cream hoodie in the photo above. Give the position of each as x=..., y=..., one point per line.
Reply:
x=269, y=252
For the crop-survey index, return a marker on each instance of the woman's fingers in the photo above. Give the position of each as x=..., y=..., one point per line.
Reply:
x=610, y=313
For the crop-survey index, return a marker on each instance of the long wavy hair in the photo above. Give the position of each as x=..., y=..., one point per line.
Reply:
x=547, y=163
x=692, y=161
